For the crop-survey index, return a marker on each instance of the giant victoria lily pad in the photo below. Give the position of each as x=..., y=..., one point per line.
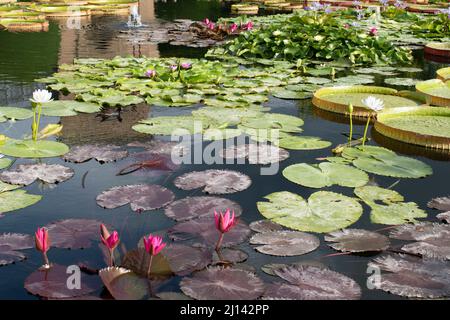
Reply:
x=357, y=240
x=323, y=212
x=17, y=199
x=325, y=174
x=203, y=231
x=437, y=91
x=141, y=197
x=260, y=153
x=413, y=277
x=218, y=283
x=33, y=149
x=26, y=174
x=12, y=113
x=393, y=210
x=312, y=283
x=52, y=283
x=101, y=153
x=198, y=207
x=214, y=181
x=433, y=239
x=425, y=126
x=285, y=243
x=10, y=244
x=73, y=233
x=385, y=162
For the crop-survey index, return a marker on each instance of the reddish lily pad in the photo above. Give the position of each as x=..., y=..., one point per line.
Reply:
x=265, y=226
x=141, y=197
x=26, y=174
x=10, y=243
x=102, y=153
x=312, y=283
x=161, y=147
x=442, y=203
x=123, y=284
x=73, y=233
x=228, y=256
x=148, y=164
x=52, y=283
x=203, y=231
x=137, y=260
x=357, y=240
x=261, y=153
x=271, y=267
x=214, y=181
x=444, y=216
x=198, y=207
x=413, y=277
x=183, y=259
x=285, y=243
x=218, y=283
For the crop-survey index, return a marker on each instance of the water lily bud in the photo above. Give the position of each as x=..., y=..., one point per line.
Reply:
x=350, y=108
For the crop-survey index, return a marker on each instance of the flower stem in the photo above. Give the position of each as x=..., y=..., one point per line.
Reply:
x=350, y=137
x=365, y=130
x=219, y=242
x=39, y=107
x=111, y=258
x=46, y=261
x=33, y=125
x=149, y=266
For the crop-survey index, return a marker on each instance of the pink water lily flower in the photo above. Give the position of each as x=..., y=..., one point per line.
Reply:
x=42, y=240
x=153, y=244
x=111, y=241
x=233, y=28
x=206, y=21
x=247, y=26
x=173, y=67
x=186, y=65
x=150, y=73
x=224, y=222
x=373, y=31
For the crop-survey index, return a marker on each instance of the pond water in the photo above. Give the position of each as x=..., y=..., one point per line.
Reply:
x=27, y=56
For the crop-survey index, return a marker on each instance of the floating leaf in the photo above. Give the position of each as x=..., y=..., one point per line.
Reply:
x=198, y=207
x=184, y=260
x=12, y=113
x=260, y=153
x=73, y=233
x=413, y=277
x=17, y=199
x=123, y=284
x=291, y=95
x=63, y=108
x=301, y=143
x=10, y=243
x=5, y=163
x=26, y=174
x=33, y=149
x=147, y=163
x=102, y=153
x=203, y=230
x=357, y=240
x=52, y=283
x=178, y=125
x=214, y=181
x=227, y=255
x=137, y=260
x=161, y=147
x=283, y=122
x=444, y=216
x=285, y=243
x=407, y=82
x=442, y=203
x=394, y=211
x=271, y=267
x=312, y=283
x=323, y=212
x=141, y=197
x=325, y=174
x=265, y=226
x=217, y=283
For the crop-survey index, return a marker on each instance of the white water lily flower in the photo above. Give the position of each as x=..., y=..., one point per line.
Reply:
x=41, y=96
x=373, y=103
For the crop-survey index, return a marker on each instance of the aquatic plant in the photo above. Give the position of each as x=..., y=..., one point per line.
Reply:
x=376, y=105
x=110, y=240
x=224, y=222
x=153, y=245
x=39, y=98
x=42, y=242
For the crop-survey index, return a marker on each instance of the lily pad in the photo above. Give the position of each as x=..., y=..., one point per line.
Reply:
x=17, y=199
x=141, y=197
x=323, y=212
x=291, y=95
x=405, y=82
x=325, y=174
x=10, y=244
x=393, y=211
x=198, y=207
x=413, y=277
x=285, y=243
x=265, y=226
x=5, y=163
x=283, y=122
x=357, y=240
x=301, y=143
x=444, y=216
x=64, y=108
x=178, y=125
x=33, y=149
x=73, y=233
x=123, y=284
x=312, y=283
x=202, y=230
x=52, y=283
x=26, y=174
x=217, y=283
x=260, y=153
x=12, y=113
x=437, y=91
x=214, y=181
x=440, y=203
x=137, y=260
x=101, y=153
x=184, y=260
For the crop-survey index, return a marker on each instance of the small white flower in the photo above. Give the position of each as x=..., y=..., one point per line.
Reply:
x=41, y=96
x=373, y=103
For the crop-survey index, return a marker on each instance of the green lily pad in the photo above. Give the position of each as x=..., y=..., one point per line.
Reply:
x=301, y=143
x=406, y=82
x=386, y=163
x=436, y=90
x=64, y=108
x=393, y=211
x=292, y=95
x=16, y=199
x=171, y=125
x=279, y=121
x=33, y=149
x=325, y=174
x=221, y=134
x=5, y=163
x=324, y=211
x=8, y=187
x=12, y=113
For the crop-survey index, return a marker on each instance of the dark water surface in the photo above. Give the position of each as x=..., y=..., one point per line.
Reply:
x=27, y=56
